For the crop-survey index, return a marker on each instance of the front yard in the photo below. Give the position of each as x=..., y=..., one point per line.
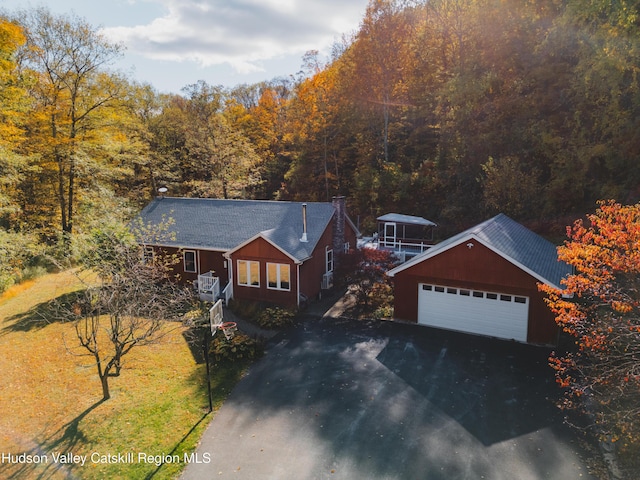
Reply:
x=50, y=405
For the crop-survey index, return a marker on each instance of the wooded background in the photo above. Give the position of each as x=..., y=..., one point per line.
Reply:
x=449, y=109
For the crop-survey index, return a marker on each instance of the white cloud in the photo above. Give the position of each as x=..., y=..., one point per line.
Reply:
x=240, y=33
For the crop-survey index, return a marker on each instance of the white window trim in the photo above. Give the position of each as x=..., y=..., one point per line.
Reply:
x=148, y=253
x=346, y=247
x=195, y=261
x=328, y=265
x=248, y=273
x=278, y=277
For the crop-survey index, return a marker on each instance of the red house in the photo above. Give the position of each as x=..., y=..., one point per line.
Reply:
x=277, y=252
x=483, y=281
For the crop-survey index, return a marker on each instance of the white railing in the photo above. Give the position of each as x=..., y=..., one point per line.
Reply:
x=400, y=246
x=208, y=287
x=227, y=293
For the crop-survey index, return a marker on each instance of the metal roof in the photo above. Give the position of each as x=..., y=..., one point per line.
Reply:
x=216, y=224
x=514, y=241
x=409, y=219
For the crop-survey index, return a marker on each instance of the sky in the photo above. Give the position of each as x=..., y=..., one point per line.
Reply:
x=174, y=43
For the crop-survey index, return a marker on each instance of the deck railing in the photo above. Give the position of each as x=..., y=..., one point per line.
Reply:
x=227, y=293
x=405, y=246
x=208, y=287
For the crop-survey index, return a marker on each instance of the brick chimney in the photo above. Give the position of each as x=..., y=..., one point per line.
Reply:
x=339, y=204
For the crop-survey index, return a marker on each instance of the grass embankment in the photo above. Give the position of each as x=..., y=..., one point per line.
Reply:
x=50, y=399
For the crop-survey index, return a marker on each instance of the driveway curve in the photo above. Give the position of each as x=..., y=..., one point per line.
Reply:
x=342, y=399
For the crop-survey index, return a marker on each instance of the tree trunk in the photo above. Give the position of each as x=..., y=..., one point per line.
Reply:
x=72, y=177
x=104, y=380
x=103, y=375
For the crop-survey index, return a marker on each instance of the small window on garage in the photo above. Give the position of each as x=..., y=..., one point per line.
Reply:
x=453, y=291
x=492, y=296
x=465, y=293
x=439, y=289
x=427, y=287
x=505, y=298
x=478, y=294
x=520, y=299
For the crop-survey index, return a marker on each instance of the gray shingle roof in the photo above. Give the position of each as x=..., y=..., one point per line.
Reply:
x=514, y=241
x=216, y=224
x=409, y=219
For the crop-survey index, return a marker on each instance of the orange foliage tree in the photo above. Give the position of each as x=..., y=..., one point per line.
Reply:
x=600, y=307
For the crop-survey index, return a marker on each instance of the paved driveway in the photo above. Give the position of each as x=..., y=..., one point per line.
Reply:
x=337, y=399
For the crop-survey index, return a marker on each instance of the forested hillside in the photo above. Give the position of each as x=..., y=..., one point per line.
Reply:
x=449, y=109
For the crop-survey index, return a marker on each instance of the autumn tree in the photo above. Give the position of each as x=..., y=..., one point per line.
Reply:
x=599, y=307
x=225, y=161
x=13, y=107
x=365, y=270
x=69, y=59
x=134, y=303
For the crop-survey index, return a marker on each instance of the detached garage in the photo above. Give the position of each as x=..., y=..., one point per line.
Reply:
x=483, y=281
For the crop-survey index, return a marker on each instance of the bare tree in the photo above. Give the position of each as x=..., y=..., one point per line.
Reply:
x=132, y=303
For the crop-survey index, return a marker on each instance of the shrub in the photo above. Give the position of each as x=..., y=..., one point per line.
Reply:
x=246, y=309
x=240, y=347
x=275, y=317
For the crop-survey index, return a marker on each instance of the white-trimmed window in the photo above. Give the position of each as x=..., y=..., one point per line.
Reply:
x=148, y=254
x=248, y=273
x=346, y=247
x=278, y=276
x=329, y=259
x=189, y=260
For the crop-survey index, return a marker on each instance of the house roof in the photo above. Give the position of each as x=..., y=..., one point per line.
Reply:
x=513, y=241
x=216, y=224
x=409, y=219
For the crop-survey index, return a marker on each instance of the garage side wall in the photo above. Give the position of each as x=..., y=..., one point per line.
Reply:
x=476, y=268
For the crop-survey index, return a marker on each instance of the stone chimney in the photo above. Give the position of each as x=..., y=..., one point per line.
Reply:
x=339, y=204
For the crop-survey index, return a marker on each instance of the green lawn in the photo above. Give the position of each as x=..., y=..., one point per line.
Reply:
x=50, y=399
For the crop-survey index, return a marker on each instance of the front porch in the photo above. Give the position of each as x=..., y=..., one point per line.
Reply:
x=209, y=289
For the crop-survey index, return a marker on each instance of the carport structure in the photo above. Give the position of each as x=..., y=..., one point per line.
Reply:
x=483, y=281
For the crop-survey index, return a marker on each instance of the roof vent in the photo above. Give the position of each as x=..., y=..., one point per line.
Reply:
x=304, y=223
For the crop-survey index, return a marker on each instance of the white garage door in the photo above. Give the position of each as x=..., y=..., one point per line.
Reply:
x=473, y=311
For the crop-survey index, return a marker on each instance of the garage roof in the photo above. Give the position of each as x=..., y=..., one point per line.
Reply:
x=511, y=240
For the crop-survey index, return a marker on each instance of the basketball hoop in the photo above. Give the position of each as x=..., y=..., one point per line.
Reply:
x=229, y=329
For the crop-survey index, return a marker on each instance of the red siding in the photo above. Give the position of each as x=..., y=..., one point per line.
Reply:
x=206, y=261
x=263, y=252
x=312, y=270
x=475, y=268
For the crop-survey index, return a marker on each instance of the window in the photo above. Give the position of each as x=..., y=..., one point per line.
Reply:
x=329, y=259
x=505, y=298
x=465, y=293
x=147, y=254
x=278, y=276
x=248, y=273
x=478, y=294
x=439, y=289
x=492, y=296
x=427, y=287
x=452, y=290
x=189, y=257
x=520, y=299
x=346, y=248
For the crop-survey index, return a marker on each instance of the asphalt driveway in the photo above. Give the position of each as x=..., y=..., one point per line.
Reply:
x=352, y=400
